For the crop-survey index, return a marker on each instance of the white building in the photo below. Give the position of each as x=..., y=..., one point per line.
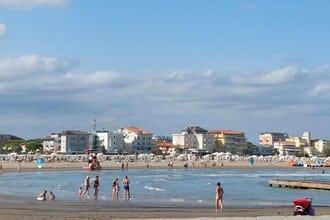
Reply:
x=116, y=142
x=194, y=138
x=268, y=138
x=103, y=140
x=287, y=148
x=137, y=139
x=52, y=143
x=74, y=142
x=320, y=145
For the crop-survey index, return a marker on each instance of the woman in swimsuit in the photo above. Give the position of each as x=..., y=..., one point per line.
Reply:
x=86, y=187
x=96, y=186
x=115, y=188
x=219, y=197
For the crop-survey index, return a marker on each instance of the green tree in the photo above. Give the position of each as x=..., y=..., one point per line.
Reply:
x=156, y=151
x=12, y=146
x=34, y=146
x=249, y=150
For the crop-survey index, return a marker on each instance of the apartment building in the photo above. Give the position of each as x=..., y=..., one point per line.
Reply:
x=74, y=141
x=287, y=148
x=319, y=146
x=195, y=138
x=116, y=142
x=102, y=140
x=137, y=140
x=229, y=140
x=268, y=138
x=52, y=143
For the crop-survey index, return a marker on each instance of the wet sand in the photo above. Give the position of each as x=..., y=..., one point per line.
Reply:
x=110, y=210
x=12, y=207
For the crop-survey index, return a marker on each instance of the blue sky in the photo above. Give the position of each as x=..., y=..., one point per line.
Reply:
x=251, y=66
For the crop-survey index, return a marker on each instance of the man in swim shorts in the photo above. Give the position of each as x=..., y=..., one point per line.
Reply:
x=126, y=183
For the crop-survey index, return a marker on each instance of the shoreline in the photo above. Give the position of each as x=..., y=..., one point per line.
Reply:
x=15, y=207
x=112, y=165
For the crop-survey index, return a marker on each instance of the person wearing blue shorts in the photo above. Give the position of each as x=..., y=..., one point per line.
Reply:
x=126, y=182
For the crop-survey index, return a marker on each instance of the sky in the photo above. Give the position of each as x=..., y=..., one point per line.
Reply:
x=250, y=66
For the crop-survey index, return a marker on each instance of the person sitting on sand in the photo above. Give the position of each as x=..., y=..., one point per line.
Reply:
x=51, y=196
x=42, y=196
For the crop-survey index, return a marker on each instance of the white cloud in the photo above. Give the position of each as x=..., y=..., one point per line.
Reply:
x=323, y=69
x=27, y=4
x=2, y=30
x=33, y=64
x=48, y=86
x=96, y=78
x=280, y=76
x=321, y=90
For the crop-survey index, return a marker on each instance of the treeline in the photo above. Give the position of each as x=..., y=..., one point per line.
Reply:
x=18, y=146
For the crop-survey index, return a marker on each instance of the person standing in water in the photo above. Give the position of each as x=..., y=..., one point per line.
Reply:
x=96, y=186
x=126, y=182
x=219, y=197
x=51, y=196
x=80, y=193
x=87, y=186
x=115, y=189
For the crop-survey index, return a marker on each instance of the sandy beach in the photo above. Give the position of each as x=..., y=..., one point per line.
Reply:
x=106, y=164
x=16, y=208
x=12, y=207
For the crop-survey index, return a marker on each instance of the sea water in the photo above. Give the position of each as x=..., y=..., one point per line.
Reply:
x=173, y=187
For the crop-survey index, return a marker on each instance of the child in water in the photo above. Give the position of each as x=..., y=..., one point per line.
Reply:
x=51, y=196
x=80, y=193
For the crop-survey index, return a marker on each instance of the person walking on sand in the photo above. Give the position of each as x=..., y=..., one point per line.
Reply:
x=96, y=186
x=87, y=186
x=126, y=182
x=219, y=197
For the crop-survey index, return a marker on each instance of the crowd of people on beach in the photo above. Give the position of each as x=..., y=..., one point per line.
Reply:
x=219, y=191
x=85, y=190
x=96, y=183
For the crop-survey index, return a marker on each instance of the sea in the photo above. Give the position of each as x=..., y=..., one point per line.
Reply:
x=173, y=187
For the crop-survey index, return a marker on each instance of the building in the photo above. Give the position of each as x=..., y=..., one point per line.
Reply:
x=287, y=148
x=7, y=137
x=137, y=140
x=268, y=138
x=74, y=142
x=116, y=143
x=319, y=146
x=194, y=138
x=229, y=140
x=168, y=148
x=52, y=143
x=102, y=142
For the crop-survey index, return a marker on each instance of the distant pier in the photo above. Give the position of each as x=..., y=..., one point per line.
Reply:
x=301, y=184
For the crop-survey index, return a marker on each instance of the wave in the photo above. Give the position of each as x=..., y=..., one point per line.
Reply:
x=154, y=188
